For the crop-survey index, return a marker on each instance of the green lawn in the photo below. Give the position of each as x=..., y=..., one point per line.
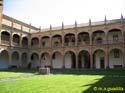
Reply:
x=62, y=81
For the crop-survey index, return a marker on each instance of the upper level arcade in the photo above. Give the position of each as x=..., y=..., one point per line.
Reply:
x=16, y=33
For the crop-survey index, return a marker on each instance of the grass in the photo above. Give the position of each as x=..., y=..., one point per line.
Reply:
x=62, y=81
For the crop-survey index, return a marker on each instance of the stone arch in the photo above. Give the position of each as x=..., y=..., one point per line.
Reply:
x=98, y=37
x=45, y=60
x=25, y=42
x=99, y=59
x=116, y=58
x=5, y=37
x=115, y=36
x=69, y=39
x=83, y=38
x=70, y=59
x=35, y=63
x=35, y=42
x=16, y=40
x=45, y=41
x=24, y=60
x=83, y=59
x=57, y=40
x=95, y=49
x=4, y=59
x=5, y=30
x=72, y=50
x=45, y=36
x=15, y=59
x=57, y=60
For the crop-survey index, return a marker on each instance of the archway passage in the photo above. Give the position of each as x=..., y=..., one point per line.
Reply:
x=116, y=59
x=57, y=60
x=98, y=37
x=5, y=37
x=70, y=60
x=84, y=59
x=69, y=39
x=45, y=60
x=45, y=41
x=25, y=42
x=35, y=42
x=83, y=38
x=4, y=58
x=16, y=40
x=24, y=60
x=35, y=61
x=115, y=36
x=15, y=60
x=99, y=59
x=57, y=41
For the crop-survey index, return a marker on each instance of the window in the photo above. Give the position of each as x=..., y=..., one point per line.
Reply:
x=43, y=44
x=116, y=54
x=54, y=56
x=115, y=37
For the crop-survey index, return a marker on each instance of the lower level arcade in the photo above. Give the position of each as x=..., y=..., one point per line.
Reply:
x=99, y=59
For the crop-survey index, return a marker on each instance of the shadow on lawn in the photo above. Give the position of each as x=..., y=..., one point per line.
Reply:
x=113, y=81
x=112, y=84
x=89, y=72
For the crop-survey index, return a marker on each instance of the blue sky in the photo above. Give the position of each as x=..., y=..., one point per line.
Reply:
x=45, y=12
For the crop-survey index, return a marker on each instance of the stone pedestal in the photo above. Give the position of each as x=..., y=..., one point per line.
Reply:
x=44, y=71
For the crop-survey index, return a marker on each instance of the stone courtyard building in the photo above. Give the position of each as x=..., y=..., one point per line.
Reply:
x=98, y=45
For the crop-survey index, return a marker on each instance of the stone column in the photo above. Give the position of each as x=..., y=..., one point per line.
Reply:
x=39, y=42
x=91, y=61
x=20, y=41
x=50, y=42
x=63, y=40
x=123, y=35
x=107, y=51
x=76, y=60
x=90, y=36
x=29, y=58
x=51, y=61
x=39, y=60
x=29, y=41
x=29, y=50
x=10, y=59
x=76, y=39
x=11, y=35
x=107, y=59
x=20, y=63
x=63, y=58
x=91, y=53
x=11, y=38
x=21, y=38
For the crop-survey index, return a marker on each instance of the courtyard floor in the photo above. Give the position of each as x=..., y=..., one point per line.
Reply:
x=62, y=81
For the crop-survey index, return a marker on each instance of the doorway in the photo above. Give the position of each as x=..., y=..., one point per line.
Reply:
x=102, y=64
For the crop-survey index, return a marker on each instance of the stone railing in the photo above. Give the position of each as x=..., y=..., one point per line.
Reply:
x=5, y=42
x=16, y=44
x=69, y=44
x=82, y=43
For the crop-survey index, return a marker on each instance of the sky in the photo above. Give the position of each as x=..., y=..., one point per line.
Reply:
x=45, y=12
